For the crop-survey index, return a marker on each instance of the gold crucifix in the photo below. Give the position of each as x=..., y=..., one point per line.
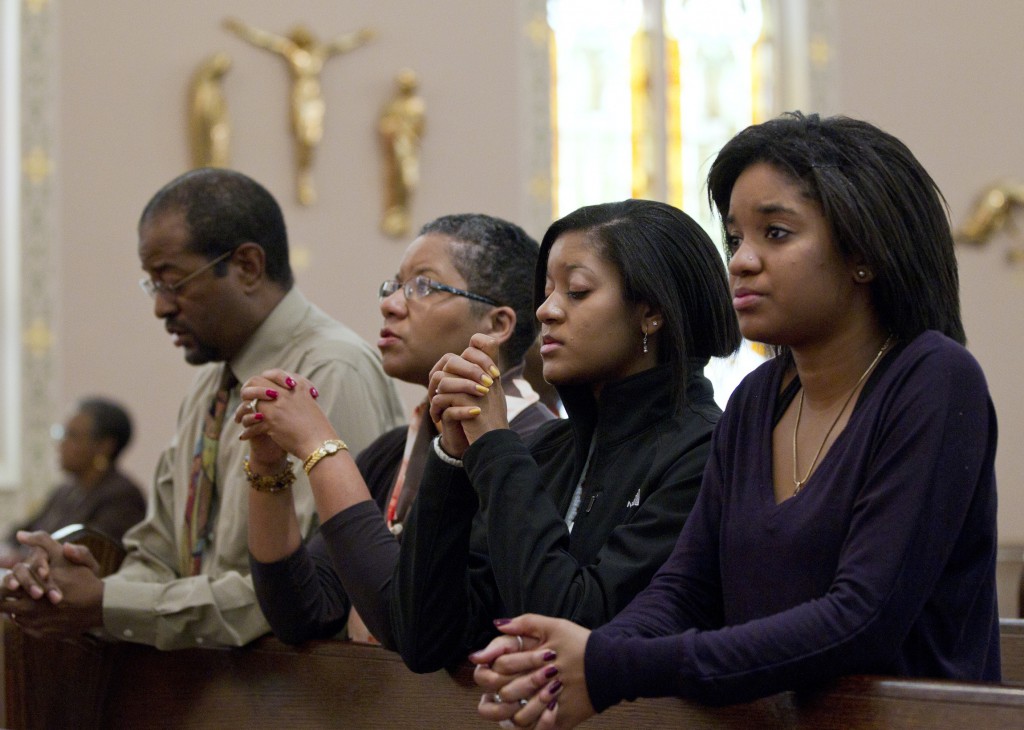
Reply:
x=305, y=56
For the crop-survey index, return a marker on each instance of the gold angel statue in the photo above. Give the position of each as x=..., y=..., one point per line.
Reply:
x=991, y=212
x=401, y=128
x=305, y=57
x=209, y=128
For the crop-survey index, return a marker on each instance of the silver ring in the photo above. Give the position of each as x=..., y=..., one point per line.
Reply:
x=524, y=702
x=253, y=403
x=520, y=640
x=507, y=725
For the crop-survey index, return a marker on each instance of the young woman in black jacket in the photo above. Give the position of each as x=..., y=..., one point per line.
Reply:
x=632, y=300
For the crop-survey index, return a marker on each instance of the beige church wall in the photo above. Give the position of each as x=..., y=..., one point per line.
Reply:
x=123, y=72
x=944, y=77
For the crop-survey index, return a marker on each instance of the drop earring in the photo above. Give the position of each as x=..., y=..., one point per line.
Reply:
x=645, y=339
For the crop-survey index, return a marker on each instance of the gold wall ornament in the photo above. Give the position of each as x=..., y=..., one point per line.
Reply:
x=400, y=128
x=992, y=211
x=305, y=57
x=38, y=338
x=209, y=127
x=37, y=165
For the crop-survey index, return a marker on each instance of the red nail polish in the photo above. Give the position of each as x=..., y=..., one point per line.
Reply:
x=502, y=621
x=257, y=416
x=555, y=687
x=550, y=672
x=314, y=392
x=289, y=382
x=271, y=393
x=549, y=655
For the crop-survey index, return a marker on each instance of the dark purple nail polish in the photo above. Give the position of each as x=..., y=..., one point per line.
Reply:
x=271, y=393
x=550, y=672
x=289, y=382
x=549, y=655
x=555, y=687
x=502, y=621
x=552, y=705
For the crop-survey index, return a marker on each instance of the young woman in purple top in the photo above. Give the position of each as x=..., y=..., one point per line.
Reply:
x=846, y=522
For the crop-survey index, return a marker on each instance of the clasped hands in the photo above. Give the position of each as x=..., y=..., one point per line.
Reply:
x=280, y=416
x=533, y=674
x=56, y=592
x=465, y=395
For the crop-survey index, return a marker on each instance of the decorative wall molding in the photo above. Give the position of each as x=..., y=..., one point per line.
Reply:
x=29, y=246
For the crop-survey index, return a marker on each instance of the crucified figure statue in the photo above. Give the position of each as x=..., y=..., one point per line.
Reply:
x=305, y=56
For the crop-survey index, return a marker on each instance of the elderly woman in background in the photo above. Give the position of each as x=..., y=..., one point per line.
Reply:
x=96, y=494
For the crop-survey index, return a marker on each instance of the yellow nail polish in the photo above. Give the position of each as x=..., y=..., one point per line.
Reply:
x=495, y=372
x=474, y=411
x=482, y=389
x=486, y=380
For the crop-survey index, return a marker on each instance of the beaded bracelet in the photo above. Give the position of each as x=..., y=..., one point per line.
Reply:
x=444, y=455
x=272, y=483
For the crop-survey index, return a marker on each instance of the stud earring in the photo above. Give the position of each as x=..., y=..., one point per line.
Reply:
x=862, y=273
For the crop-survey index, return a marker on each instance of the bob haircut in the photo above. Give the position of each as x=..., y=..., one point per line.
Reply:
x=882, y=208
x=665, y=260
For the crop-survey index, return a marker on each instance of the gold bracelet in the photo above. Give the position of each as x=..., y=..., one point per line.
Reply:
x=273, y=483
x=329, y=447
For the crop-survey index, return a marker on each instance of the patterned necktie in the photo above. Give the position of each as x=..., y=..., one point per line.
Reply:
x=202, y=481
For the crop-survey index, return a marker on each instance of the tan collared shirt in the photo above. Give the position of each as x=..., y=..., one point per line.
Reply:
x=147, y=601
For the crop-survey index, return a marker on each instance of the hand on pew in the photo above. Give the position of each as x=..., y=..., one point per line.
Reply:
x=537, y=682
x=67, y=576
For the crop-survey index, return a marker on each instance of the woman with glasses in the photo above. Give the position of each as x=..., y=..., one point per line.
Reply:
x=97, y=494
x=632, y=301
x=463, y=274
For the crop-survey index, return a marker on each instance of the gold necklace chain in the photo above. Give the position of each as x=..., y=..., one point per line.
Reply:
x=799, y=483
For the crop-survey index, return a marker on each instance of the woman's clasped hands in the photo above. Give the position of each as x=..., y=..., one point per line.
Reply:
x=466, y=397
x=280, y=416
x=532, y=675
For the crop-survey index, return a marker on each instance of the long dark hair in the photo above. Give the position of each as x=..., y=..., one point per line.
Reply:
x=882, y=207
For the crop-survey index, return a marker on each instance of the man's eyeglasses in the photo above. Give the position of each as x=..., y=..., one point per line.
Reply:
x=160, y=288
x=420, y=286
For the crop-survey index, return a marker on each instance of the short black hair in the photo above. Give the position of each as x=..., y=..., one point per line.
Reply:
x=109, y=420
x=667, y=261
x=224, y=209
x=497, y=259
x=882, y=208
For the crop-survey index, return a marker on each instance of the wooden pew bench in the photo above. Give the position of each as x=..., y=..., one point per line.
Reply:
x=339, y=684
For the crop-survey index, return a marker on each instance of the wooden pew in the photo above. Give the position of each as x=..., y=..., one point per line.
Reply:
x=1011, y=641
x=339, y=684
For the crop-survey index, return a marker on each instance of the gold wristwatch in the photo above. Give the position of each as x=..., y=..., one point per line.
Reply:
x=327, y=448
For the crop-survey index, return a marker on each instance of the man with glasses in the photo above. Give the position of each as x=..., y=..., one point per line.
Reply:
x=214, y=248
